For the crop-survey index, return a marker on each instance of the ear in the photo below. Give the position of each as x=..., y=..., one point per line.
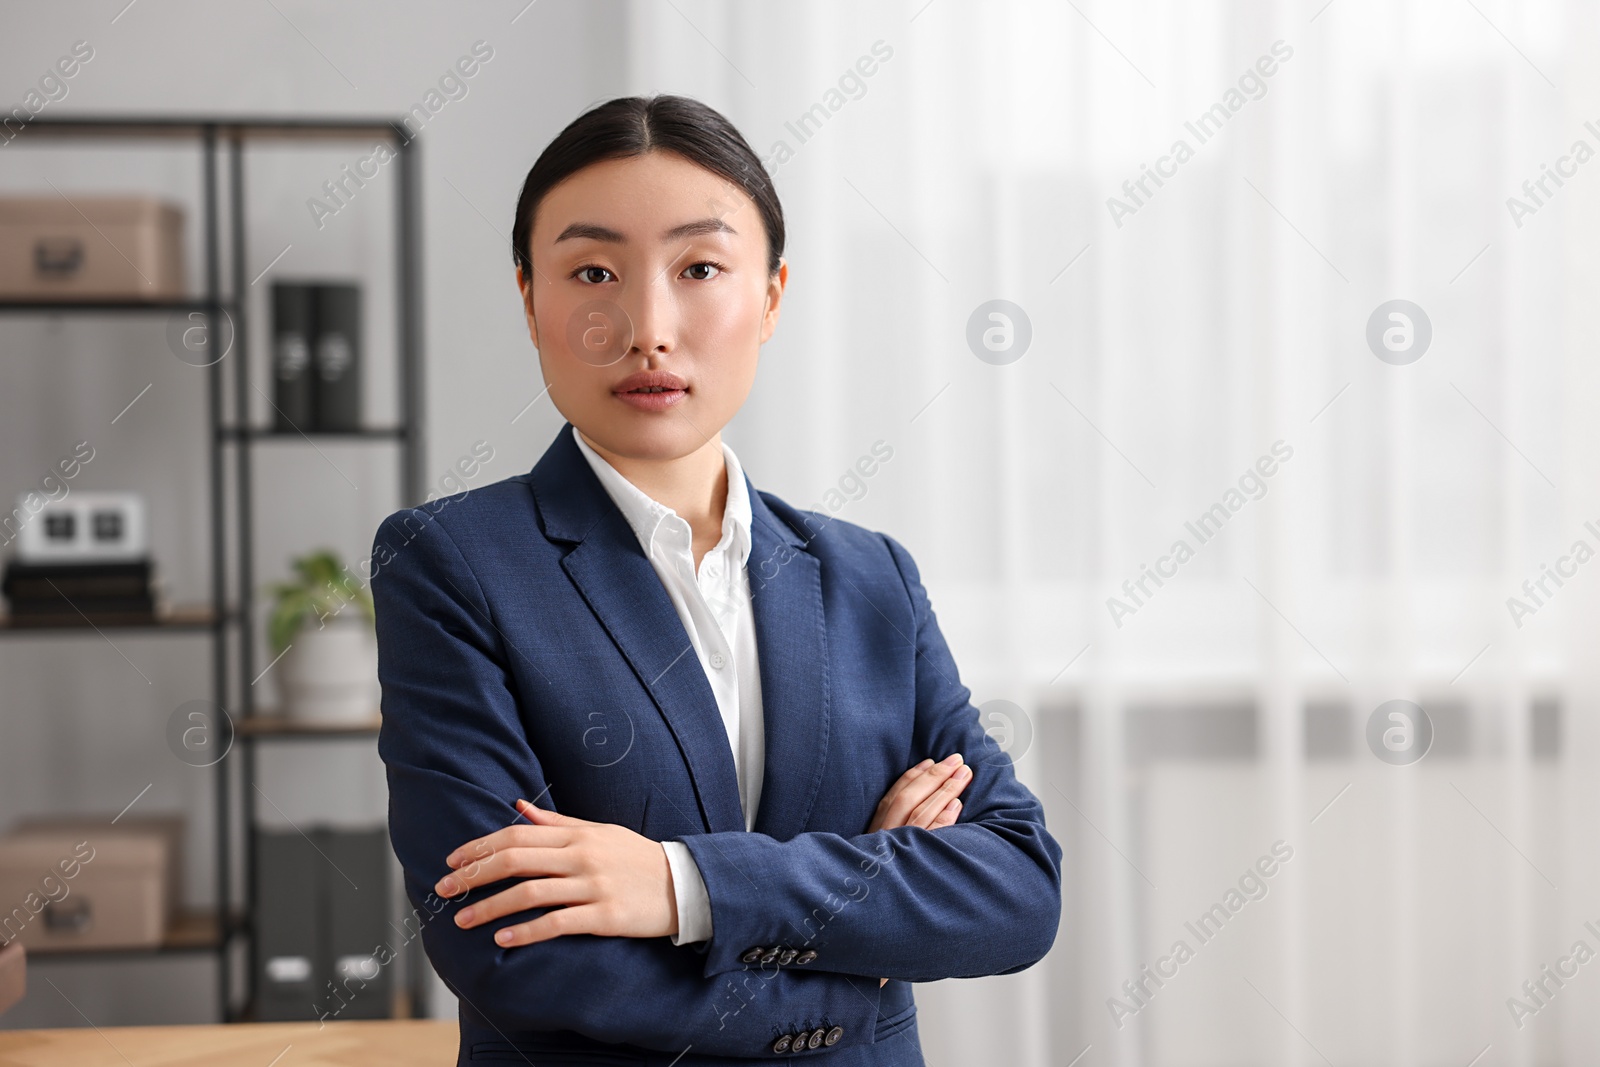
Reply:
x=526, y=291
x=775, y=285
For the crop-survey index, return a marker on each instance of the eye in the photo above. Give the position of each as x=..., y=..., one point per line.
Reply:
x=584, y=270
x=718, y=267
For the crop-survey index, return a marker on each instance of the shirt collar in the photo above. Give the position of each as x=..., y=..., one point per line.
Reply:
x=647, y=515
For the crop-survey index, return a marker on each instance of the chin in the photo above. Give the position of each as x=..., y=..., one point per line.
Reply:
x=657, y=436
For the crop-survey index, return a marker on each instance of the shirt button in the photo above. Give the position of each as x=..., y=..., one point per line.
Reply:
x=718, y=660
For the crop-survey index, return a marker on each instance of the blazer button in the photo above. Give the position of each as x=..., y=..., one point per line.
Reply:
x=806, y=957
x=782, y=1044
x=751, y=954
x=769, y=955
x=799, y=1043
x=816, y=1037
x=833, y=1036
x=788, y=957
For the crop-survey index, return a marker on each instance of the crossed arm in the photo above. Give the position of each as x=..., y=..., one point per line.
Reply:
x=980, y=897
x=457, y=758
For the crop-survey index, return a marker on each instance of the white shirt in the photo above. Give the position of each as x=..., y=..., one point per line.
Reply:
x=714, y=606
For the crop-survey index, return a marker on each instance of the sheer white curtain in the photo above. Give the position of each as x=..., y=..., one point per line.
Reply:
x=1339, y=156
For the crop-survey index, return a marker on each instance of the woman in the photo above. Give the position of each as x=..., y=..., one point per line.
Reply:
x=644, y=726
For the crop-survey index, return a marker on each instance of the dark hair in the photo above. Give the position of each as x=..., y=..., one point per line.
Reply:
x=632, y=126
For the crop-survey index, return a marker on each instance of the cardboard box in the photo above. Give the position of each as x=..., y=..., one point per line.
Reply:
x=74, y=883
x=90, y=248
x=13, y=975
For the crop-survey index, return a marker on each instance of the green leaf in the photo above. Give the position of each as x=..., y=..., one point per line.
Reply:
x=324, y=589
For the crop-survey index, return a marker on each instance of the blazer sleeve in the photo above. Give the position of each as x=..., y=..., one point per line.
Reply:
x=979, y=897
x=457, y=757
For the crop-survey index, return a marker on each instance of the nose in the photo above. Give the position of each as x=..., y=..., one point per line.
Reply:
x=653, y=314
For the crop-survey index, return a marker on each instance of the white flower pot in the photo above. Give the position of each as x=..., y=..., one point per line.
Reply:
x=329, y=676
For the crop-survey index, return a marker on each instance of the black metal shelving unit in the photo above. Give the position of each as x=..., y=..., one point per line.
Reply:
x=232, y=921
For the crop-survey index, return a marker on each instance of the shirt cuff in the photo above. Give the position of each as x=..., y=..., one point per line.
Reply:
x=689, y=895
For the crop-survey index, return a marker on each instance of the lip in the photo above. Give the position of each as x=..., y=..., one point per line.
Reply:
x=675, y=389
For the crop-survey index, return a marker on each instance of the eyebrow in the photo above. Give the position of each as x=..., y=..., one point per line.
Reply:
x=595, y=232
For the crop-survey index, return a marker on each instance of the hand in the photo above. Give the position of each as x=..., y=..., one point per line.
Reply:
x=924, y=796
x=611, y=880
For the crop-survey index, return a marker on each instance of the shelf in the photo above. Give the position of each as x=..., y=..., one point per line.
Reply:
x=144, y=126
x=181, y=619
x=62, y=307
x=275, y=728
x=225, y=147
x=261, y=433
x=193, y=930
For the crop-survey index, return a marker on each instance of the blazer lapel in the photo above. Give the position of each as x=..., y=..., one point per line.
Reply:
x=615, y=577
x=792, y=648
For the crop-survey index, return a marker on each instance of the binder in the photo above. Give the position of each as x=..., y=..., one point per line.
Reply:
x=324, y=949
x=361, y=974
x=337, y=357
x=289, y=926
x=293, y=325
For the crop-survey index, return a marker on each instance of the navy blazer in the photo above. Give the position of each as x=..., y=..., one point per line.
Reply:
x=527, y=648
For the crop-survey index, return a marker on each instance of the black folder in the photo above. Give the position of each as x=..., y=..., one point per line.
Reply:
x=293, y=325
x=337, y=357
x=324, y=948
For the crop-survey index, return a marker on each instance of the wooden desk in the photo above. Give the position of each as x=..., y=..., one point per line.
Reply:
x=351, y=1043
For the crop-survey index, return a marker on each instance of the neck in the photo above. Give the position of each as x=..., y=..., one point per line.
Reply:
x=695, y=486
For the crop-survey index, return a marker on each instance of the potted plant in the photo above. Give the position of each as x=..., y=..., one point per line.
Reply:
x=321, y=626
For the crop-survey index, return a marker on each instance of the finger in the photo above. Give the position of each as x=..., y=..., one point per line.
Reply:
x=918, y=792
x=529, y=893
x=905, y=779
x=925, y=812
x=914, y=785
x=896, y=791
x=544, y=817
x=519, y=862
x=582, y=919
x=468, y=857
x=518, y=835
x=514, y=834
x=947, y=817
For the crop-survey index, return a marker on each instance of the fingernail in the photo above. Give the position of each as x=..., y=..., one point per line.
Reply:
x=963, y=772
x=953, y=805
x=952, y=759
x=503, y=937
x=464, y=916
x=449, y=886
x=925, y=764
